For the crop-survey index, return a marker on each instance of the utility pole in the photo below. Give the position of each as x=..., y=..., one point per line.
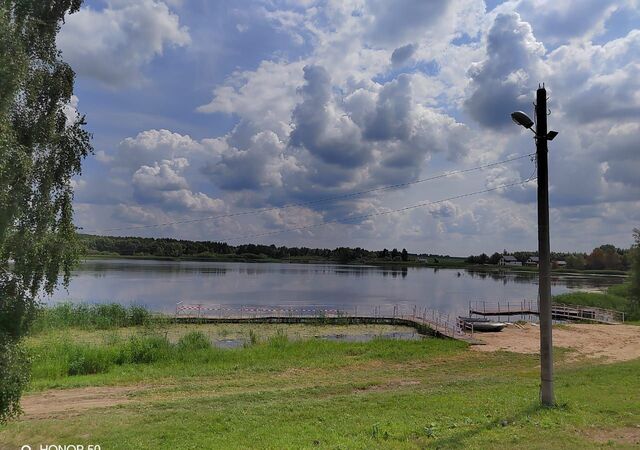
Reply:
x=544, y=252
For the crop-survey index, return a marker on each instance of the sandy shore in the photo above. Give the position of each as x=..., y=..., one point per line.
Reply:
x=610, y=342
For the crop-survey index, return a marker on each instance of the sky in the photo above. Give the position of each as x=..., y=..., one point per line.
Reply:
x=216, y=114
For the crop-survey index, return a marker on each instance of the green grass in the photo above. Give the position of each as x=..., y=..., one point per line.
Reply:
x=60, y=359
x=285, y=389
x=617, y=297
x=89, y=316
x=281, y=393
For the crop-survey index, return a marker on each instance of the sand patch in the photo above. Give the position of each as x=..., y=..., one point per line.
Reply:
x=610, y=342
x=626, y=435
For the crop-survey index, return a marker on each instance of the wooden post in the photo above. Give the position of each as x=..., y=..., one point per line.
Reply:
x=544, y=251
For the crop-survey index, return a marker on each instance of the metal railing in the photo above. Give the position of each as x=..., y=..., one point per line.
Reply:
x=587, y=313
x=559, y=310
x=437, y=321
x=506, y=308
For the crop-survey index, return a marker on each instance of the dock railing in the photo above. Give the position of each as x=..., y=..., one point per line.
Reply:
x=503, y=308
x=444, y=324
x=559, y=310
x=588, y=313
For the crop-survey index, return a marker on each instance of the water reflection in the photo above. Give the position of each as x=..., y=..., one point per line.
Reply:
x=570, y=280
x=161, y=284
x=108, y=267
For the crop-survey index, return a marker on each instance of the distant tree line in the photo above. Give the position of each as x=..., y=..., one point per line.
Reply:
x=174, y=248
x=605, y=257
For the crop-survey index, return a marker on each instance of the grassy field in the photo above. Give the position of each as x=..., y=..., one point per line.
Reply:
x=285, y=389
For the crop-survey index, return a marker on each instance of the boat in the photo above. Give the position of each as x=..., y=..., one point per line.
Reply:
x=481, y=324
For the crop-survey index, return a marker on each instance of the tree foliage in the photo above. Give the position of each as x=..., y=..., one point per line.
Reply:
x=174, y=248
x=480, y=259
x=605, y=257
x=42, y=146
x=495, y=258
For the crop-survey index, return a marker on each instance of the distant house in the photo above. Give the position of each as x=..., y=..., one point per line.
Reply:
x=509, y=260
x=533, y=261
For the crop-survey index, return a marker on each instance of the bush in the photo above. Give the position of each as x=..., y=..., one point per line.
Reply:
x=193, y=341
x=109, y=316
x=138, y=315
x=14, y=377
x=253, y=339
x=620, y=290
x=146, y=349
x=596, y=299
x=99, y=316
x=279, y=340
x=62, y=356
x=88, y=360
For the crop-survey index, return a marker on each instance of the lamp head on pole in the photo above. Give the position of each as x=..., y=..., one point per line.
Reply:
x=522, y=119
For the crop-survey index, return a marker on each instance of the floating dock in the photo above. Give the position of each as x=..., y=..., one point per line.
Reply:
x=426, y=322
x=559, y=311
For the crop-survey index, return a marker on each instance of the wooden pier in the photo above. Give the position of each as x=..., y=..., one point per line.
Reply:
x=426, y=322
x=559, y=311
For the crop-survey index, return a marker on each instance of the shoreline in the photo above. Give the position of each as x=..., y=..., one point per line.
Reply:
x=393, y=264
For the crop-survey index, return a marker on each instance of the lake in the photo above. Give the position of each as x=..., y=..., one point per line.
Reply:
x=159, y=285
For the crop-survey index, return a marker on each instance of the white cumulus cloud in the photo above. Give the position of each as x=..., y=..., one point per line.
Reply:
x=114, y=44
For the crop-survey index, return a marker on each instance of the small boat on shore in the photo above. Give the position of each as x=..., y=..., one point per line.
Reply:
x=481, y=324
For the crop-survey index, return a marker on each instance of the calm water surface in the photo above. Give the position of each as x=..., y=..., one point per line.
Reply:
x=160, y=284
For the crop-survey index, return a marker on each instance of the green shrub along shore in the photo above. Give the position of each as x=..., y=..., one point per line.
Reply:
x=90, y=316
x=618, y=297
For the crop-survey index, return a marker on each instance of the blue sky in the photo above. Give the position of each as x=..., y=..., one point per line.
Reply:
x=204, y=108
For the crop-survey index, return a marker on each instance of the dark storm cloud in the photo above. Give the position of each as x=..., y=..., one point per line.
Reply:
x=402, y=54
x=391, y=117
x=322, y=129
x=503, y=82
x=620, y=150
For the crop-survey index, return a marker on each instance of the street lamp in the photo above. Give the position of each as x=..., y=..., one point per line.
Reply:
x=522, y=119
x=544, y=248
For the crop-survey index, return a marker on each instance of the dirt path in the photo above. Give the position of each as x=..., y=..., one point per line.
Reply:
x=611, y=342
x=55, y=403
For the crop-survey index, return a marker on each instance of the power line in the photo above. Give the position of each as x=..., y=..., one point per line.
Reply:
x=382, y=213
x=314, y=202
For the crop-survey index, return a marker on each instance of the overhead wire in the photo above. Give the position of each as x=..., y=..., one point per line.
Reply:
x=381, y=213
x=314, y=202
